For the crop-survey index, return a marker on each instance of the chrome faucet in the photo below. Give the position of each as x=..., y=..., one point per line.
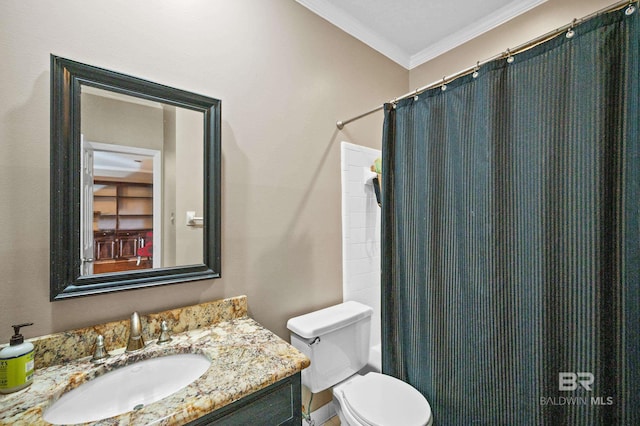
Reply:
x=136, y=342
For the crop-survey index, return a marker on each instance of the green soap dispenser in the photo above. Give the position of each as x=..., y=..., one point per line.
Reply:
x=16, y=363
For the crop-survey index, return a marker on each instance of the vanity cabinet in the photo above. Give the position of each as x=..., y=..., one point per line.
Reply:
x=277, y=404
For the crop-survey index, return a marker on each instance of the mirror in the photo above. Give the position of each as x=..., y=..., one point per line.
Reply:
x=135, y=182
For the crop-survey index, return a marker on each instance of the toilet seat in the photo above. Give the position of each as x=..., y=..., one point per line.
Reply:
x=379, y=400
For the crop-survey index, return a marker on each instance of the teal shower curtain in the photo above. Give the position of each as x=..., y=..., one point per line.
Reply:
x=511, y=242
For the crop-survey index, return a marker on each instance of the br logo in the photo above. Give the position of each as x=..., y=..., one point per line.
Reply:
x=569, y=381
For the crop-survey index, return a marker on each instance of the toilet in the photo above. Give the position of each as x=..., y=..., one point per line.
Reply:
x=336, y=340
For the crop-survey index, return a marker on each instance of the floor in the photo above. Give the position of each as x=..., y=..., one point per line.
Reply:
x=333, y=421
x=120, y=265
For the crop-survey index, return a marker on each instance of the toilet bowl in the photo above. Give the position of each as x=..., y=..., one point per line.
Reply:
x=377, y=399
x=336, y=339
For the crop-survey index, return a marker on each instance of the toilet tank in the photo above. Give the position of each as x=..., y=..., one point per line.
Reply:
x=335, y=339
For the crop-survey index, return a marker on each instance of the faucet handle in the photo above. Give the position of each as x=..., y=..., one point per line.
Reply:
x=99, y=352
x=164, y=333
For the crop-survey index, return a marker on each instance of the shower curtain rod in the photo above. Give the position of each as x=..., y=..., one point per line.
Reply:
x=507, y=54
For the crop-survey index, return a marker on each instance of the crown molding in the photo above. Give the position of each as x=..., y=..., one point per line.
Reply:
x=370, y=37
x=355, y=28
x=487, y=24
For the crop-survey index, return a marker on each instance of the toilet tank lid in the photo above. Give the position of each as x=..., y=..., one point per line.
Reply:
x=329, y=319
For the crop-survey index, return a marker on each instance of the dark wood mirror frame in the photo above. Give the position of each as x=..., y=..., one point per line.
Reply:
x=67, y=78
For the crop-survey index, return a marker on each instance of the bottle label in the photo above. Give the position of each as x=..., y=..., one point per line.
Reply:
x=16, y=371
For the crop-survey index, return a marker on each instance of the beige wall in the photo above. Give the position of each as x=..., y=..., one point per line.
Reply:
x=545, y=18
x=284, y=77
x=112, y=121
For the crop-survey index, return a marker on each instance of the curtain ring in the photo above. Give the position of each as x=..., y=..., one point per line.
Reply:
x=571, y=33
x=510, y=58
x=630, y=9
x=444, y=84
x=415, y=95
x=475, y=70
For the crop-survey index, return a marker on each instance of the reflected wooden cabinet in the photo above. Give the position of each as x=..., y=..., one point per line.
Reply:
x=118, y=245
x=128, y=243
x=104, y=245
x=122, y=216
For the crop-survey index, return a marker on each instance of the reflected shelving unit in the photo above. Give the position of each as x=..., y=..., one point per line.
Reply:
x=122, y=217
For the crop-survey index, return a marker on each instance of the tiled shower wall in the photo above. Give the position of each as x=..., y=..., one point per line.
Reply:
x=360, y=231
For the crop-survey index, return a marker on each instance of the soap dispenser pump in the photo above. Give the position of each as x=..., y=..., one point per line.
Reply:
x=16, y=363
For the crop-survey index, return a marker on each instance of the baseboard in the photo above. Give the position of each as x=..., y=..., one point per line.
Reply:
x=321, y=415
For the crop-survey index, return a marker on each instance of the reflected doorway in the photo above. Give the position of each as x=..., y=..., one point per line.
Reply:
x=121, y=208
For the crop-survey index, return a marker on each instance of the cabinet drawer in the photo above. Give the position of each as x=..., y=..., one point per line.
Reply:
x=278, y=404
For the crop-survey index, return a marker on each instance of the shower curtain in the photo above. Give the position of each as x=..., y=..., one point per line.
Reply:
x=510, y=270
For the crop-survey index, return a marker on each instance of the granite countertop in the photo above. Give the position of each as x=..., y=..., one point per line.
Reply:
x=245, y=357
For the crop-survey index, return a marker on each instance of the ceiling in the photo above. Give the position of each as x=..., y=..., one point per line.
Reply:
x=411, y=32
x=111, y=165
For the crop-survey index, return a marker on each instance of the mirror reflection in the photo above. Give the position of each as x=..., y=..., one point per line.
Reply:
x=135, y=153
x=135, y=182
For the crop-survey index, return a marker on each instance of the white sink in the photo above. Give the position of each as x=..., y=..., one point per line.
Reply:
x=127, y=388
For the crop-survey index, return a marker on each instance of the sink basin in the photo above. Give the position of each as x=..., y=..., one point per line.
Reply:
x=127, y=388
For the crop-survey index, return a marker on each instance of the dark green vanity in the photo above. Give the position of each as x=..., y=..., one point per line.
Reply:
x=253, y=379
x=278, y=404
